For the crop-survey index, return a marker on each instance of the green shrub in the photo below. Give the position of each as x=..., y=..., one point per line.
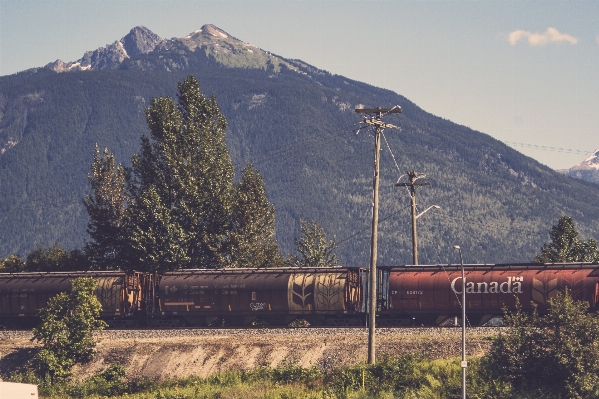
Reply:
x=66, y=330
x=556, y=355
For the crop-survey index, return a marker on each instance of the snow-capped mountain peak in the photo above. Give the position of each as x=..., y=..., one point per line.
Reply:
x=591, y=163
x=586, y=170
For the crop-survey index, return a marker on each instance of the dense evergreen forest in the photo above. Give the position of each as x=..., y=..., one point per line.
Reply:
x=296, y=125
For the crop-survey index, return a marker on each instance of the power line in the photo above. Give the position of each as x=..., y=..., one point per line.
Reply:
x=367, y=228
x=300, y=144
x=547, y=148
x=39, y=206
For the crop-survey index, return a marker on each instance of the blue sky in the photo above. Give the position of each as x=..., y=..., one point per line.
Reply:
x=522, y=71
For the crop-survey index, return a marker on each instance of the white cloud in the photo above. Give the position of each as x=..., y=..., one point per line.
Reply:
x=551, y=35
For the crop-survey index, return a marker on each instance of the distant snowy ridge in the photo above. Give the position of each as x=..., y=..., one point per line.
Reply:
x=591, y=163
x=586, y=170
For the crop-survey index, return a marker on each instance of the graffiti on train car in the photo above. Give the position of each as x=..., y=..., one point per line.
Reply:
x=257, y=306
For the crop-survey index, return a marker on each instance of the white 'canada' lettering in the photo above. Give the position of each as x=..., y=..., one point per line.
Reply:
x=513, y=285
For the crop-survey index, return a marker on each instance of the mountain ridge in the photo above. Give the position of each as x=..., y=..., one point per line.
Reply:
x=214, y=41
x=296, y=124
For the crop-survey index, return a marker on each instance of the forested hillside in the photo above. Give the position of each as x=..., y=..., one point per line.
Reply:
x=296, y=125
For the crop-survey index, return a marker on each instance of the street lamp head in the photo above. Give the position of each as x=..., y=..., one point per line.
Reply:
x=456, y=247
x=436, y=207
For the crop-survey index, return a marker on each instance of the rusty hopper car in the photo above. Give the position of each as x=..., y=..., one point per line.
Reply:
x=23, y=294
x=430, y=295
x=241, y=297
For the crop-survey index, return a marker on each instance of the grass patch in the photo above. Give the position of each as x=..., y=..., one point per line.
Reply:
x=405, y=378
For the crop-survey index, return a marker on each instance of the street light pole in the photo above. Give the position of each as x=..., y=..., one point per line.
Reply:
x=464, y=363
x=412, y=185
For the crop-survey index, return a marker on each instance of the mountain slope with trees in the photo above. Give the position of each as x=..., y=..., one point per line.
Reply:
x=296, y=125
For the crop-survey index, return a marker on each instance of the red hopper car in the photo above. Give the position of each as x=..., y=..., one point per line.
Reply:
x=430, y=295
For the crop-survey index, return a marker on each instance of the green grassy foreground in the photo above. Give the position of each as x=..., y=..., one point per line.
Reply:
x=406, y=377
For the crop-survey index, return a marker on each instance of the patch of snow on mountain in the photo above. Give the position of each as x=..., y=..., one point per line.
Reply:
x=193, y=33
x=594, y=159
x=214, y=31
x=122, y=48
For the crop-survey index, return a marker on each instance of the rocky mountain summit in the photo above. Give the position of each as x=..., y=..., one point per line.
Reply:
x=213, y=41
x=140, y=40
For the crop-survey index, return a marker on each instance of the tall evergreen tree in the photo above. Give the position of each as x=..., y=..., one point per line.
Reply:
x=315, y=250
x=565, y=246
x=252, y=239
x=107, y=210
x=182, y=181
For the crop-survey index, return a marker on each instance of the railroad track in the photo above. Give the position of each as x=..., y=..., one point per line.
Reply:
x=309, y=331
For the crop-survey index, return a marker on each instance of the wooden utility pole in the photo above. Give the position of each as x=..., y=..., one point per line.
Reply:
x=413, y=185
x=376, y=114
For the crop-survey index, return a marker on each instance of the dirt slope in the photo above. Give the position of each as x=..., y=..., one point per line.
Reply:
x=163, y=354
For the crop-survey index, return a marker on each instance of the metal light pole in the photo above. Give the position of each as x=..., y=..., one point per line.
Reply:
x=414, y=234
x=412, y=185
x=464, y=363
x=428, y=209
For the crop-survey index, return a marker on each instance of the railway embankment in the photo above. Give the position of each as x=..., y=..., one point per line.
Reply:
x=164, y=354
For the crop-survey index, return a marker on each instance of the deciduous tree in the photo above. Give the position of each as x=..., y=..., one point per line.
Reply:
x=66, y=331
x=12, y=264
x=552, y=356
x=54, y=259
x=157, y=240
x=182, y=182
x=177, y=206
x=314, y=249
x=565, y=246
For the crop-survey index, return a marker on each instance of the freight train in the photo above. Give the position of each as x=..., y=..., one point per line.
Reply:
x=335, y=296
